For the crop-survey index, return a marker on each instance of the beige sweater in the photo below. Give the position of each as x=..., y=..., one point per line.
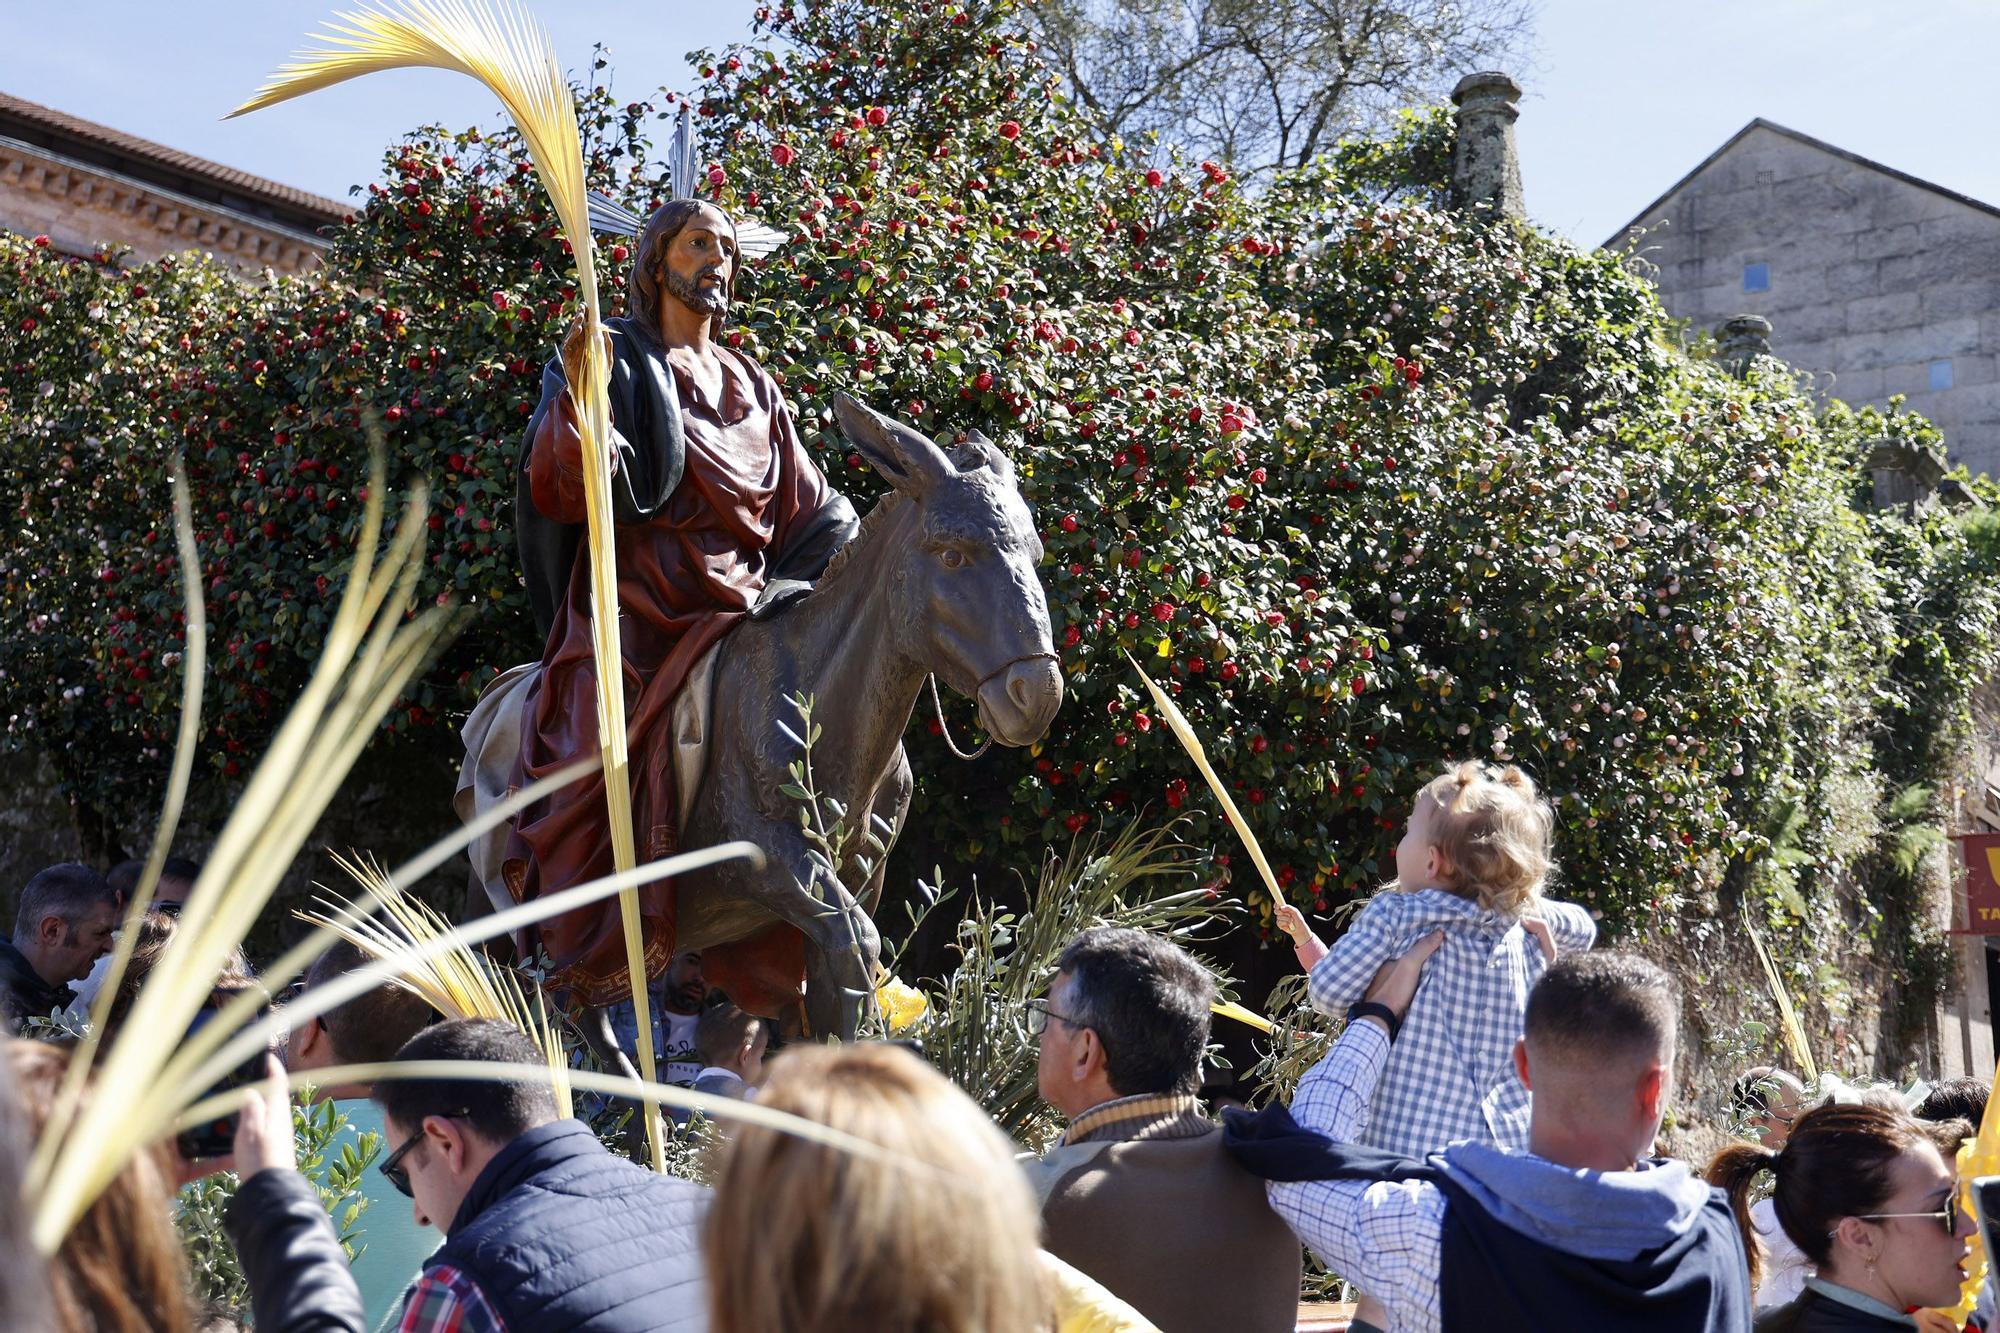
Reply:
x=1141, y=1196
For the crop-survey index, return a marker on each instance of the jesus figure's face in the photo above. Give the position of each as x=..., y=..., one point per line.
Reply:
x=700, y=263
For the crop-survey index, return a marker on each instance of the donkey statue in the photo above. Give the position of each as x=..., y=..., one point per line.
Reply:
x=939, y=581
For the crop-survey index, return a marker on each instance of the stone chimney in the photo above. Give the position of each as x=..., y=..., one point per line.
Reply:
x=1905, y=476
x=1485, y=165
x=1741, y=340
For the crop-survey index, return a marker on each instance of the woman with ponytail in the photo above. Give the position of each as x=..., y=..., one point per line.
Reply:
x=1864, y=1192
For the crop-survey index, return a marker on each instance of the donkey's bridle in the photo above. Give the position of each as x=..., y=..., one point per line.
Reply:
x=938, y=704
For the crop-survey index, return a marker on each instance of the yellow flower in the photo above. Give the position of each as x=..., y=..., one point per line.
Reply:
x=903, y=1006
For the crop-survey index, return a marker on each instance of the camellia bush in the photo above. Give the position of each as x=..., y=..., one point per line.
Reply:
x=1368, y=483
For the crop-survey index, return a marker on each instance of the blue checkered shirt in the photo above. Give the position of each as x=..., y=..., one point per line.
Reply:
x=1451, y=1074
x=1384, y=1237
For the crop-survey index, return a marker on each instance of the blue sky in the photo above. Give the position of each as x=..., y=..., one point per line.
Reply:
x=1624, y=96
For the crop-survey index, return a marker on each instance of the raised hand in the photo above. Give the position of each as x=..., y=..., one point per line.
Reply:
x=1395, y=983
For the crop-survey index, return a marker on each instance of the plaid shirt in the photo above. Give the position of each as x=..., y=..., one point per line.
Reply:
x=1451, y=1074
x=1385, y=1238
x=445, y=1300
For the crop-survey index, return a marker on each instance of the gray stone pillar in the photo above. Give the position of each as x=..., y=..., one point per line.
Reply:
x=1905, y=476
x=1485, y=165
x=1741, y=340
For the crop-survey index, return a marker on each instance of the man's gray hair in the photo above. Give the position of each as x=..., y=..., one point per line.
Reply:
x=1147, y=999
x=68, y=890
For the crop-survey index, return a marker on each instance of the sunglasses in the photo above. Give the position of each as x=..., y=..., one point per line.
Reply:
x=1946, y=1216
x=393, y=1170
x=1039, y=1015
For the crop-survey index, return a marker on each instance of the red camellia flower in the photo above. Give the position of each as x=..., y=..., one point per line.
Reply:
x=500, y=300
x=1155, y=179
x=1131, y=337
x=1163, y=611
x=619, y=254
x=1231, y=423
x=717, y=176
x=1230, y=671
x=1257, y=476
x=1009, y=130
x=1069, y=522
x=1072, y=636
x=783, y=154
x=983, y=381
x=1235, y=502
x=877, y=116
x=1358, y=684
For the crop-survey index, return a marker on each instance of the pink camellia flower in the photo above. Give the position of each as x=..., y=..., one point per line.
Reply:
x=1010, y=129
x=716, y=176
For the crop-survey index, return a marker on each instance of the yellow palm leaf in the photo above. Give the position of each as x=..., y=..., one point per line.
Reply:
x=500, y=45
x=1248, y=1017
x=460, y=983
x=1177, y=723
x=1788, y=1016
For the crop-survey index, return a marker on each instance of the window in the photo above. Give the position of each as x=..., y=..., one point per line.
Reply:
x=1941, y=374
x=1756, y=277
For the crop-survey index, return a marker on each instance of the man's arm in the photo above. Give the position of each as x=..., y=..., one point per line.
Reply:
x=298, y=1275
x=1384, y=1237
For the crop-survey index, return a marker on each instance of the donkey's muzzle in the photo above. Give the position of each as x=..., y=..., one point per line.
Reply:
x=1017, y=705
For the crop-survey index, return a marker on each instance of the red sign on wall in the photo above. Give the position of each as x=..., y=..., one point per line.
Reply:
x=1981, y=854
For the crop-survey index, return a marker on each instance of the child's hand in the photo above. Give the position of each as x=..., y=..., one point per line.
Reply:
x=1935, y=1321
x=1539, y=928
x=1293, y=922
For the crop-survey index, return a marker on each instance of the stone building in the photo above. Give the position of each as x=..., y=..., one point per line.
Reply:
x=84, y=185
x=1873, y=280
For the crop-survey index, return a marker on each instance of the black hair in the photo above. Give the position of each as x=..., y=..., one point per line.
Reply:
x=1148, y=1002
x=1603, y=1002
x=644, y=287
x=497, y=1111
x=69, y=890
x=721, y=1031
x=371, y=1027
x=1955, y=1099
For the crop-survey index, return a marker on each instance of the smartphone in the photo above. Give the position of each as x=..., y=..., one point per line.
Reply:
x=217, y=1138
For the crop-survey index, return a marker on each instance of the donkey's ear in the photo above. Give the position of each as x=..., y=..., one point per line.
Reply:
x=978, y=451
x=906, y=458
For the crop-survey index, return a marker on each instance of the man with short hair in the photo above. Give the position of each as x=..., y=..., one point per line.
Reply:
x=62, y=926
x=1139, y=1193
x=731, y=1044
x=368, y=1029
x=1585, y=1229
x=676, y=997
x=545, y=1231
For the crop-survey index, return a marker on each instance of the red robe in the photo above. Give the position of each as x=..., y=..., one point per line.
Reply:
x=685, y=577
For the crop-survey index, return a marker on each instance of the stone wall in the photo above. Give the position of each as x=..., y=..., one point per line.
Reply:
x=1873, y=276
x=80, y=209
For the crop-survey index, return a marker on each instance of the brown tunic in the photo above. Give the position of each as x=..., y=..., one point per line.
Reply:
x=684, y=580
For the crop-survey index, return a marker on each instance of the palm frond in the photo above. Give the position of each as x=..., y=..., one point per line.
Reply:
x=498, y=44
x=1794, y=1032
x=460, y=982
x=1184, y=732
x=375, y=646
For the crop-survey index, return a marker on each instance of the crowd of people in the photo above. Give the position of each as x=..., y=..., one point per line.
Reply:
x=1477, y=1149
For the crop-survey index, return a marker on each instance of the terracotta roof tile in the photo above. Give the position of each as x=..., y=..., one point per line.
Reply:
x=303, y=205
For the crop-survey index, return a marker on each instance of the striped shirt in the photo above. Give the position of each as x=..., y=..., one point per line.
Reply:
x=1451, y=1076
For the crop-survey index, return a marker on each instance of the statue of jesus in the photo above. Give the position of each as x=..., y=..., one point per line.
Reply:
x=717, y=505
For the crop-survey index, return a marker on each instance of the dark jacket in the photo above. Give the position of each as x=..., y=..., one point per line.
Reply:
x=1813, y=1312
x=1497, y=1279
x=291, y=1258
x=559, y=1235
x=23, y=994
x=645, y=411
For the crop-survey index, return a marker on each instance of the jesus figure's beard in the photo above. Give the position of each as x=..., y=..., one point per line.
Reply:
x=690, y=292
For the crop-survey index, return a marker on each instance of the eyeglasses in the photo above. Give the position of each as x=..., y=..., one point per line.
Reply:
x=1039, y=1015
x=393, y=1168
x=1946, y=1216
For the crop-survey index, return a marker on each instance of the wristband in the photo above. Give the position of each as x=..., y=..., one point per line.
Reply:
x=1374, y=1009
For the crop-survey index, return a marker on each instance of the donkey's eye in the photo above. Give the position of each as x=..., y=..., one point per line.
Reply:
x=952, y=557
